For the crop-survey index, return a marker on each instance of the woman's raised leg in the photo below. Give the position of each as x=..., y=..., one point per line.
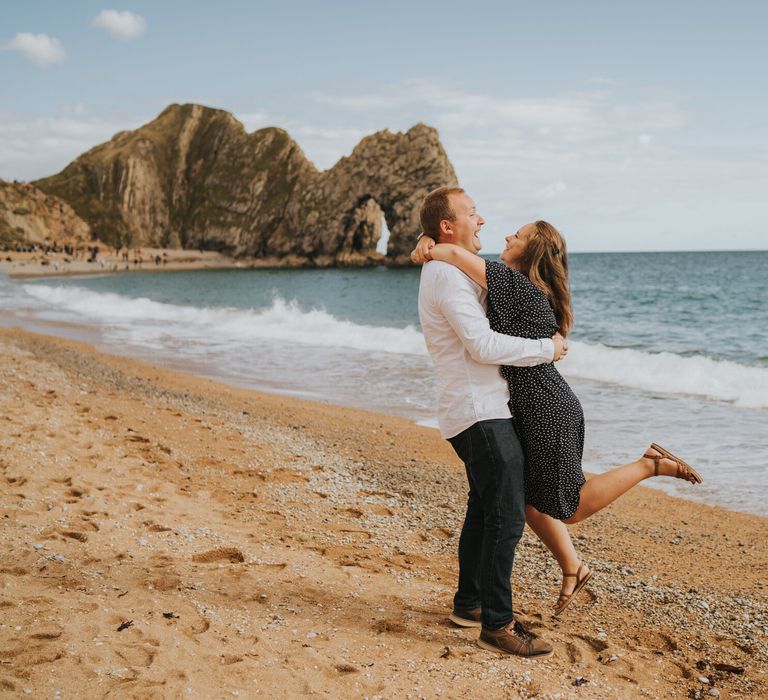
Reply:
x=603, y=489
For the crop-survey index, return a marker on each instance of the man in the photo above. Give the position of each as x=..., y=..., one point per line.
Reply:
x=474, y=417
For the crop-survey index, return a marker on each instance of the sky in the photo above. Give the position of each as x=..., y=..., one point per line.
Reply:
x=631, y=126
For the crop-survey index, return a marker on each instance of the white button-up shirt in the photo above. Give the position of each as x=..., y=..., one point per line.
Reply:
x=466, y=352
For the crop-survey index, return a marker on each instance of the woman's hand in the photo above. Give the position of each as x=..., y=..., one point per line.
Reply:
x=422, y=252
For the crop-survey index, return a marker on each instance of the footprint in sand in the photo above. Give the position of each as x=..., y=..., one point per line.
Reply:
x=75, y=535
x=230, y=554
x=136, y=655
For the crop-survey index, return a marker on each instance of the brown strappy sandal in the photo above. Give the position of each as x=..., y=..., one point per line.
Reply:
x=684, y=470
x=565, y=598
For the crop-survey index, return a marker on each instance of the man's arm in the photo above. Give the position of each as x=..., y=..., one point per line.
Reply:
x=466, y=315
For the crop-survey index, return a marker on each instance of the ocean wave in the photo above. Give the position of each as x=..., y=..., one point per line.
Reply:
x=284, y=321
x=157, y=324
x=668, y=373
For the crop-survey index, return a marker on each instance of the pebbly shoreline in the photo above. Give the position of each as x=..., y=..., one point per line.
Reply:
x=258, y=544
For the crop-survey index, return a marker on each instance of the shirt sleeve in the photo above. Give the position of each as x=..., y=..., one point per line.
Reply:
x=457, y=298
x=506, y=287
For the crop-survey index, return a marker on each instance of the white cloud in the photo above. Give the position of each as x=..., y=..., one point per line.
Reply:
x=515, y=154
x=37, y=48
x=568, y=117
x=34, y=148
x=551, y=190
x=124, y=25
x=254, y=120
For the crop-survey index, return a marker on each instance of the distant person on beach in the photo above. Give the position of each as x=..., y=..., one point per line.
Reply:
x=474, y=417
x=529, y=297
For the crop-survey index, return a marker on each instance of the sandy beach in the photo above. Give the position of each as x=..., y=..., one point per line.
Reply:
x=38, y=264
x=167, y=536
x=29, y=265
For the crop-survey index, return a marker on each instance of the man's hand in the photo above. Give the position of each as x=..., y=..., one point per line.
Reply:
x=421, y=253
x=561, y=347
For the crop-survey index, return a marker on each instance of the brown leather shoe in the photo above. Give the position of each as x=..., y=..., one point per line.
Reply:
x=466, y=618
x=515, y=639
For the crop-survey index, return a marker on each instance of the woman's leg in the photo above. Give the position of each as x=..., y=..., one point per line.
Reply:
x=603, y=489
x=555, y=536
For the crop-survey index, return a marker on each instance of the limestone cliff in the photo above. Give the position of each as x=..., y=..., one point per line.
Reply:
x=29, y=215
x=194, y=178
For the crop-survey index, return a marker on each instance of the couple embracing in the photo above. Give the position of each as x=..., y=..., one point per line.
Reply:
x=518, y=430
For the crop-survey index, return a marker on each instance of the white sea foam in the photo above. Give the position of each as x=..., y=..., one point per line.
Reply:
x=283, y=321
x=667, y=373
x=157, y=324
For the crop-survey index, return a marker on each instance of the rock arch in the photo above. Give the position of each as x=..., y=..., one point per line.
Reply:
x=194, y=176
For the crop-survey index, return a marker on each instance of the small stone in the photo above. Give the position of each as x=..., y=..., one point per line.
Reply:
x=38, y=546
x=703, y=679
x=714, y=692
x=311, y=635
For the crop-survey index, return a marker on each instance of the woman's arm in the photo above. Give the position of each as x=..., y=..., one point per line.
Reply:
x=422, y=252
x=470, y=264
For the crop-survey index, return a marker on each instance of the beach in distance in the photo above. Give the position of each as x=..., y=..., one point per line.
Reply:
x=164, y=532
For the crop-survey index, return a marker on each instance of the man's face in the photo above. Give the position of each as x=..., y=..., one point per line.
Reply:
x=465, y=230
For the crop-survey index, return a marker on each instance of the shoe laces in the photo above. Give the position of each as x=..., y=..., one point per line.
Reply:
x=522, y=631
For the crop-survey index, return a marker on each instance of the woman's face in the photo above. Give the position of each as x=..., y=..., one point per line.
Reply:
x=516, y=243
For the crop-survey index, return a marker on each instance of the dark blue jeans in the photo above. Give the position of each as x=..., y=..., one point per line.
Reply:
x=495, y=518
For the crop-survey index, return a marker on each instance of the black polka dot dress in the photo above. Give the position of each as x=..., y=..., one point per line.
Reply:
x=547, y=413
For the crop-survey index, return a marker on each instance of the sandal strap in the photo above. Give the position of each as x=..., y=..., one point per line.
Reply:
x=656, y=460
x=578, y=571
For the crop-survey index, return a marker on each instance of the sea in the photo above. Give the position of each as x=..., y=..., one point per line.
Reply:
x=667, y=347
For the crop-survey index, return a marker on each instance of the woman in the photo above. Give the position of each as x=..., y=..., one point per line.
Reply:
x=529, y=297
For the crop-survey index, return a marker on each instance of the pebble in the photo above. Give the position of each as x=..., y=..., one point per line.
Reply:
x=714, y=692
x=703, y=679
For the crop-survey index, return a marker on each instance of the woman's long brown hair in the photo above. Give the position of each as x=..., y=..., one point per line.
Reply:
x=545, y=262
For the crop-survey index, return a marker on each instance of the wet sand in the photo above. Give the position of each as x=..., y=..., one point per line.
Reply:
x=167, y=536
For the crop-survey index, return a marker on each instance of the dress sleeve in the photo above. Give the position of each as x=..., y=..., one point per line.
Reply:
x=506, y=287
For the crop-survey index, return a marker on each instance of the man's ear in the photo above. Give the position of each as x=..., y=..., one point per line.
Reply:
x=446, y=231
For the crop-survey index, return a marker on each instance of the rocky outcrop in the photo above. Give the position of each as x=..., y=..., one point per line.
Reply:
x=194, y=178
x=29, y=215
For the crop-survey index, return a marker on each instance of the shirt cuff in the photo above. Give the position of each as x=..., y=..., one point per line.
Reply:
x=548, y=348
